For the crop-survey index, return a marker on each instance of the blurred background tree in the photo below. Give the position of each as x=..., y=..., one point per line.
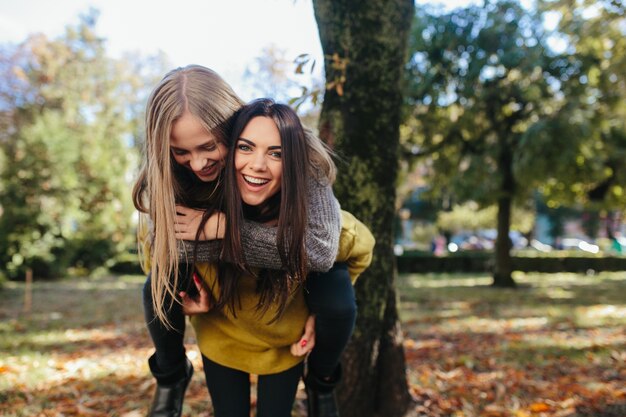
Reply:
x=496, y=113
x=71, y=124
x=593, y=81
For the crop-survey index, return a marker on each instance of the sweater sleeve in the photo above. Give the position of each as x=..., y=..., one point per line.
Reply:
x=356, y=246
x=259, y=241
x=208, y=250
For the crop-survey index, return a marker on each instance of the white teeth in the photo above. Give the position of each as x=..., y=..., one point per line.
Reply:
x=253, y=180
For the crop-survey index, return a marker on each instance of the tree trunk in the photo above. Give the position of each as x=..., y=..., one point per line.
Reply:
x=365, y=45
x=28, y=291
x=503, y=264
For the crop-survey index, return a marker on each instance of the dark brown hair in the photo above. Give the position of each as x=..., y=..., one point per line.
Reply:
x=289, y=206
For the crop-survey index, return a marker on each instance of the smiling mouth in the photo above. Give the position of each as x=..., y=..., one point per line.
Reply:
x=207, y=170
x=255, y=181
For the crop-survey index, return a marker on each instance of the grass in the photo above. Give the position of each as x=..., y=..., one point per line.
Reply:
x=81, y=348
x=554, y=347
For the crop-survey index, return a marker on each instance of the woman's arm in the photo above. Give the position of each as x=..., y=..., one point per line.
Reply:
x=259, y=241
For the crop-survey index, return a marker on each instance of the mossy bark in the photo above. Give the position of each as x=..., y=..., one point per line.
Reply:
x=361, y=122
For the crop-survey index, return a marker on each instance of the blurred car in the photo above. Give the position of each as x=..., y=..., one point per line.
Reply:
x=574, y=243
x=484, y=239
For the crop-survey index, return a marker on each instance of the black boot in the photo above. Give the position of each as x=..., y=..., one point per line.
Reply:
x=169, y=396
x=321, y=400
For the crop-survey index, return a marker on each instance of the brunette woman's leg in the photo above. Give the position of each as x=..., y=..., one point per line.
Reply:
x=168, y=364
x=277, y=392
x=330, y=296
x=229, y=389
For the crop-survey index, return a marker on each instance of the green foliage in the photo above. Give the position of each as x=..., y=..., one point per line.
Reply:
x=565, y=115
x=594, y=39
x=480, y=83
x=498, y=111
x=469, y=216
x=125, y=263
x=423, y=234
x=72, y=124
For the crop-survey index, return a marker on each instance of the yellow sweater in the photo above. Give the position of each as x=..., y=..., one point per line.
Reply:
x=245, y=341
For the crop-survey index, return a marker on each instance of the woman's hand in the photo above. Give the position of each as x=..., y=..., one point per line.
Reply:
x=188, y=222
x=215, y=226
x=200, y=303
x=307, y=341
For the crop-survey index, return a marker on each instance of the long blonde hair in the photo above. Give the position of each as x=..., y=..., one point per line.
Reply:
x=204, y=94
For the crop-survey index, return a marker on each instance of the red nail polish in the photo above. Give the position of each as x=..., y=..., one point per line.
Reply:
x=303, y=343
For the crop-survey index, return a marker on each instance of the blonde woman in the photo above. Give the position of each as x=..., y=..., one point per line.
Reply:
x=188, y=121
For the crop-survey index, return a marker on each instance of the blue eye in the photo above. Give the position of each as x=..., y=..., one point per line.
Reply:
x=243, y=147
x=276, y=154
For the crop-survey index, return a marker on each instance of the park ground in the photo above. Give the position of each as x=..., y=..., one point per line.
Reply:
x=554, y=347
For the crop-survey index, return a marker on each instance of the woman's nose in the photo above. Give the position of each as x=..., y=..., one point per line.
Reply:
x=197, y=163
x=258, y=164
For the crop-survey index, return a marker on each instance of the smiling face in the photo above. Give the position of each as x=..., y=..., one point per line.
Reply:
x=196, y=149
x=258, y=161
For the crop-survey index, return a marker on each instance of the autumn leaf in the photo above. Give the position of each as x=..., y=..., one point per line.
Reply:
x=539, y=407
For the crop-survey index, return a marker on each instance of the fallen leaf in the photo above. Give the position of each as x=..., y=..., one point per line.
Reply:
x=539, y=407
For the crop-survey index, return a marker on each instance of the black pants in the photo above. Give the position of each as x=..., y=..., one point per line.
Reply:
x=230, y=391
x=329, y=295
x=168, y=362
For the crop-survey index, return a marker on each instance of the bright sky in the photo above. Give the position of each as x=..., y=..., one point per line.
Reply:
x=225, y=35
